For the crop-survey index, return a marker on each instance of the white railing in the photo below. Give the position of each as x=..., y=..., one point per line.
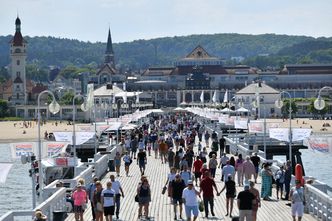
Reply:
x=54, y=198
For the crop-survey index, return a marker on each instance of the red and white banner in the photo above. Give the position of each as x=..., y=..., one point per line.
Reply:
x=23, y=149
x=53, y=148
x=256, y=126
x=320, y=143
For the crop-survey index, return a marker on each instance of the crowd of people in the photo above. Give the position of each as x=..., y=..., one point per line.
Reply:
x=177, y=141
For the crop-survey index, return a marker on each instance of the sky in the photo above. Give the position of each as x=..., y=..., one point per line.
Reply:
x=89, y=20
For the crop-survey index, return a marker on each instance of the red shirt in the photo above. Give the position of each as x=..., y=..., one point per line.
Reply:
x=207, y=185
x=198, y=166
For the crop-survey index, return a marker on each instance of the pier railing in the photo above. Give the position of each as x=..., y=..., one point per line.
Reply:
x=318, y=202
x=54, y=198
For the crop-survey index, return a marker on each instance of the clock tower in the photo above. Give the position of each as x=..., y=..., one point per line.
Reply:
x=18, y=55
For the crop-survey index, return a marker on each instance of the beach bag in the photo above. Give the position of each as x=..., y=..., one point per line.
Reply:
x=201, y=206
x=99, y=207
x=164, y=190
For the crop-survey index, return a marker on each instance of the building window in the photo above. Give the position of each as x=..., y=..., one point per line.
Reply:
x=17, y=96
x=17, y=86
x=18, y=74
x=18, y=62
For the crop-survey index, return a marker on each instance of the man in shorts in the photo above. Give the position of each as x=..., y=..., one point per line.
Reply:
x=141, y=160
x=178, y=186
x=107, y=200
x=189, y=198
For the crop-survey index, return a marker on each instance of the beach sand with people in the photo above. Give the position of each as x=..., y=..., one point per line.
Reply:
x=14, y=131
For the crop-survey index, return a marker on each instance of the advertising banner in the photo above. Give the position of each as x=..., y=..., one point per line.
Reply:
x=81, y=137
x=279, y=134
x=256, y=126
x=53, y=148
x=299, y=134
x=23, y=148
x=241, y=124
x=320, y=143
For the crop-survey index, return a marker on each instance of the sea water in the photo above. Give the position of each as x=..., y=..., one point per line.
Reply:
x=16, y=193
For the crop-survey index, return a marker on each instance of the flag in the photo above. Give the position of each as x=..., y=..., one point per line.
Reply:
x=137, y=97
x=125, y=98
x=202, y=97
x=214, y=97
x=226, y=97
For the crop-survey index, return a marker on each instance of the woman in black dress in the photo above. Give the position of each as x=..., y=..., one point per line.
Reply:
x=230, y=194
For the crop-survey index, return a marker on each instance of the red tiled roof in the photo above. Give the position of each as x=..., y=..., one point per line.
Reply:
x=18, y=39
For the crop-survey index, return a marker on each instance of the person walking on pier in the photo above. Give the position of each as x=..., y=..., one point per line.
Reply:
x=288, y=178
x=144, y=198
x=266, y=188
x=206, y=186
x=245, y=201
x=127, y=160
x=116, y=186
x=213, y=163
x=198, y=164
x=97, y=208
x=141, y=160
x=117, y=162
x=91, y=191
x=230, y=194
x=255, y=159
x=107, y=200
x=297, y=197
x=280, y=179
x=257, y=202
x=248, y=169
x=239, y=170
x=80, y=199
x=178, y=186
x=189, y=198
x=222, y=144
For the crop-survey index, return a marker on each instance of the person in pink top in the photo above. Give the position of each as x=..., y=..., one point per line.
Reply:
x=248, y=169
x=80, y=199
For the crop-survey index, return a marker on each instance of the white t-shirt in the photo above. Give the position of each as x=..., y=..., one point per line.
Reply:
x=108, y=195
x=116, y=186
x=190, y=196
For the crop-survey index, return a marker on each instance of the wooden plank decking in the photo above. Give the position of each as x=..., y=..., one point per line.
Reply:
x=162, y=210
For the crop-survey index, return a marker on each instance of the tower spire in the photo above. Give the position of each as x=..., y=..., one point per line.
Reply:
x=109, y=54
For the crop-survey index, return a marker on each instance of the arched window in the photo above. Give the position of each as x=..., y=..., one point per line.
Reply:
x=17, y=50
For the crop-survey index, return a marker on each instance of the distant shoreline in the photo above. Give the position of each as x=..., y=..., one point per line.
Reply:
x=10, y=133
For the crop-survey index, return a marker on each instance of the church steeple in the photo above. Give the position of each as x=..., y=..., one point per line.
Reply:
x=109, y=54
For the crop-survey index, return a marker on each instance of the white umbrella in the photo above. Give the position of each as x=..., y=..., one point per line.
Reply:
x=157, y=111
x=226, y=110
x=179, y=109
x=242, y=109
x=129, y=127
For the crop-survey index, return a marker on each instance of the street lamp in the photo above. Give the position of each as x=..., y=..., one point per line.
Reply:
x=257, y=104
x=279, y=103
x=84, y=107
x=319, y=103
x=54, y=108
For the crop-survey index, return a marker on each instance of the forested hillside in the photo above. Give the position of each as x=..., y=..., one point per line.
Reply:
x=161, y=51
x=73, y=56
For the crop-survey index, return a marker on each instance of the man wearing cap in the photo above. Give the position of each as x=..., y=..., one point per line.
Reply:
x=207, y=184
x=245, y=201
x=189, y=198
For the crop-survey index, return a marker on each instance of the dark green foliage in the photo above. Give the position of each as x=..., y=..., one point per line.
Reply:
x=285, y=108
x=4, y=109
x=140, y=54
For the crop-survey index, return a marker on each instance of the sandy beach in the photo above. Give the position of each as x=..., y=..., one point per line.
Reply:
x=10, y=133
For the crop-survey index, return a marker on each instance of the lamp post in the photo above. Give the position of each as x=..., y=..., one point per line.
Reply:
x=279, y=103
x=257, y=104
x=84, y=108
x=54, y=107
x=319, y=103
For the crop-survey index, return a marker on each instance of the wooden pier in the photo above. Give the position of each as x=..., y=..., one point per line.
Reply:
x=161, y=208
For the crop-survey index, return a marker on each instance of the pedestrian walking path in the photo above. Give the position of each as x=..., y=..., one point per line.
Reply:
x=161, y=208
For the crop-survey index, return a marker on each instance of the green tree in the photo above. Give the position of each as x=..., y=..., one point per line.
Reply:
x=4, y=109
x=67, y=99
x=285, y=108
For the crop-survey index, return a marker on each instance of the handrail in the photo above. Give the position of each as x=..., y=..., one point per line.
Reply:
x=54, y=198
